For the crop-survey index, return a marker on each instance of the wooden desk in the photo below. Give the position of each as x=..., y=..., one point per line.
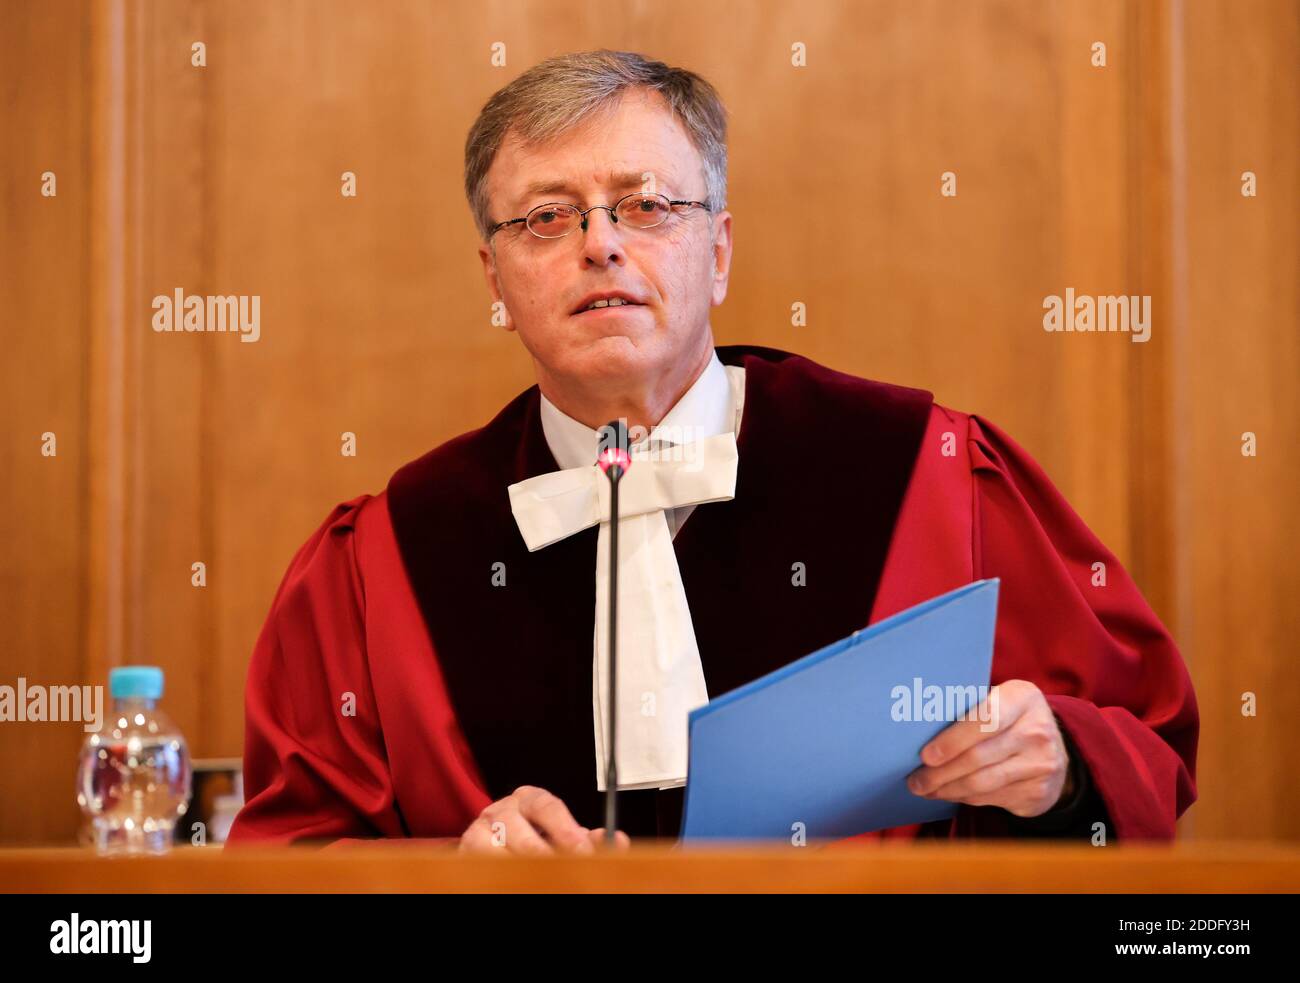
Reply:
x=886, y=867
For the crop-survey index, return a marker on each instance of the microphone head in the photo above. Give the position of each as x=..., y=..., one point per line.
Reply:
x=611, y=447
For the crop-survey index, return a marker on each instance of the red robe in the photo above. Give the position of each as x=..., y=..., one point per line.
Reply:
x=358, y=610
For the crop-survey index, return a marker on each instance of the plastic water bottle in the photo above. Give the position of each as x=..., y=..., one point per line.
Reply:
x=134, y=775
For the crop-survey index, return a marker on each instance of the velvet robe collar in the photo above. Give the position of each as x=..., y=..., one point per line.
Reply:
x=789, y=565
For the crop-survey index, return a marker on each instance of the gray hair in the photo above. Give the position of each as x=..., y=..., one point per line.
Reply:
x=557, y=94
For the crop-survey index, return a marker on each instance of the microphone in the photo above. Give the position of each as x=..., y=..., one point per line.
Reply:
x=612, y=458
x=612, y=450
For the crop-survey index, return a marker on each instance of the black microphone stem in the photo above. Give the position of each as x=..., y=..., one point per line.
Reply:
x=611, y=764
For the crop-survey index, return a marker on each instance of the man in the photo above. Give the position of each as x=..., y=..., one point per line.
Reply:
x=457, y=609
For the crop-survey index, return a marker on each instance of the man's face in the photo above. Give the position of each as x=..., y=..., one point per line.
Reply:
x=677, y=270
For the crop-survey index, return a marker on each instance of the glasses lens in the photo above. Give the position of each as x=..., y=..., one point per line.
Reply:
x=644, y=210
x=552, y=220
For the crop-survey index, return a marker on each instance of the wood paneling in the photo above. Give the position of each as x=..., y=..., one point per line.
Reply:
x=1237, y=371
x=45, y=584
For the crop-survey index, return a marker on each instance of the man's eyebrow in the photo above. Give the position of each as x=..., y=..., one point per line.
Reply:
x=625, y=179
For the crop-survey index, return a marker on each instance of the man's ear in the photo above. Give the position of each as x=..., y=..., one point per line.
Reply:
x=493, y=278
x=721, y=256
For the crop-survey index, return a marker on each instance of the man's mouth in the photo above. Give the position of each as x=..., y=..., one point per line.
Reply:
x=602, y=305
x=607, y=303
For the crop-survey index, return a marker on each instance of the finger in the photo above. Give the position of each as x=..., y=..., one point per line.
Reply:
x=621, y=840
x=1031, y=797
x=1002, y=707
x=504, y=830
x=552, y=818
x=994, y=748
x=583, y=844
x=508, y=831
x=478, y=838
x=993, y=780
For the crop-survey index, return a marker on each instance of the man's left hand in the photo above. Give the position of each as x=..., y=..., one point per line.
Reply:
x=1010, y=754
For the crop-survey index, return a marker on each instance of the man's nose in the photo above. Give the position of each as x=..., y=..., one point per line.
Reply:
x=601, y=243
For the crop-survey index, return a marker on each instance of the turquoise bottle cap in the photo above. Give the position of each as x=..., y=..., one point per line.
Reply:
x=142, y=682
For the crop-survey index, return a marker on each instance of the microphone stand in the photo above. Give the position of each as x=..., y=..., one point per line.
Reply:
x=614, y=461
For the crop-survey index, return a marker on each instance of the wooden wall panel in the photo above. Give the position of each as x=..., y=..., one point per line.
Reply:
x=45, y=73
x=1237, y=371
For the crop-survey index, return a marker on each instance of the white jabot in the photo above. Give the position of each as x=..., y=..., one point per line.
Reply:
x=660, y=676
x=712, y=405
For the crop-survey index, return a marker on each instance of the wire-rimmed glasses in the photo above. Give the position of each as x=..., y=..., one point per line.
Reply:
x=556, y=219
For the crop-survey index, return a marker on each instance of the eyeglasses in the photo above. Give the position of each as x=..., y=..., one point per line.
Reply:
x=554, y=219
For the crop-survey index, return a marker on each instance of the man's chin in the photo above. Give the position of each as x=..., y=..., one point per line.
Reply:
x=612, y=356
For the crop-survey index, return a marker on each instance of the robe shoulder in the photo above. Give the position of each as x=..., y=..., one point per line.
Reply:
x=317, y=762
x=310, y=767
x=1070, y=619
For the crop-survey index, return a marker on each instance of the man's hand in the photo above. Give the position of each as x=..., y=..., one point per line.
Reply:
x=531, y=820
x=1021, y=764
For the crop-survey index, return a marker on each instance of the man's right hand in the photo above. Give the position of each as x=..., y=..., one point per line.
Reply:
x=532, y=820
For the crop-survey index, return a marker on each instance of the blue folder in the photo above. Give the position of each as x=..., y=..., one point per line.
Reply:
x=829, y=740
